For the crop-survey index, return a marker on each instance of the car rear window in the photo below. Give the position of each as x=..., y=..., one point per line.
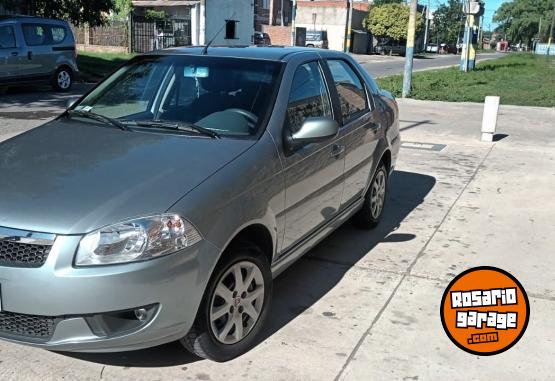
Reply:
x=7, y=37
x=58, y=34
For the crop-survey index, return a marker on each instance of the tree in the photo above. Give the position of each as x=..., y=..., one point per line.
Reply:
x=92, y=12
x=449, y=22
x=377, y=3
x=122, y=9
x=390, y=20
x=520, y=19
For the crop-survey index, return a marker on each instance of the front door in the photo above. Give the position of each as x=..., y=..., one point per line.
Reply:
x=314, y=172
x=9, y=53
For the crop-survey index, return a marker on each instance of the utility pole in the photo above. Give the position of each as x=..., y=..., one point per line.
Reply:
x=426, y=30
x=473, y=11
x=293, y=29
x=348, y=27
x=407, y=76
x=281, y=13
x=551, y=30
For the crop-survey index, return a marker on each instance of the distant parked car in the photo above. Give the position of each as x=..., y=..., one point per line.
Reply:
x=35, y=50
x=391, y=47
x=260, y=38
x=431, y=48
x=317, y=39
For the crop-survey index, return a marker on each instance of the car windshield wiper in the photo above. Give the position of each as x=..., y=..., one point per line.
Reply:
x=98, y=117
x=176, y=126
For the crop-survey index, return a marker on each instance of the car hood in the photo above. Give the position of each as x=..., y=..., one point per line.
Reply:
x=70, y=177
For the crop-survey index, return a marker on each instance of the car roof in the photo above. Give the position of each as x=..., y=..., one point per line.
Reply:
x=267, y=52
x=30, y=19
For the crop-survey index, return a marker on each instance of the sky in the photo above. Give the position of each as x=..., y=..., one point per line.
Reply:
x=491, y=7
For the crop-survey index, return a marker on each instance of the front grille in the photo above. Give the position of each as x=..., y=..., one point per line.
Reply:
x=29, y=326
x=18, y=254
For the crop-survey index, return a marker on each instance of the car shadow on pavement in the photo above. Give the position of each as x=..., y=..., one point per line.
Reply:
x=308, y=280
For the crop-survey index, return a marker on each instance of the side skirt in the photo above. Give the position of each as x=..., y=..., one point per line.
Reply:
x=297, y=251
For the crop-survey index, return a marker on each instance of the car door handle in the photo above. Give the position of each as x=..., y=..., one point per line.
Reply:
x=337, y=150
x=374, y=126
x=29, y=55
x=15, y=54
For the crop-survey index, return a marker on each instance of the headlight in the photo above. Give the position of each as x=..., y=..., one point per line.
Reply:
x=136, y=240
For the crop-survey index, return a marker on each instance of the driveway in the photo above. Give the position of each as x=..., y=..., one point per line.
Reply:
x=364, y=305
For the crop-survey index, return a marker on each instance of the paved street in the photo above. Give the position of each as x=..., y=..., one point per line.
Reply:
x=365, y=305
x=382, y=66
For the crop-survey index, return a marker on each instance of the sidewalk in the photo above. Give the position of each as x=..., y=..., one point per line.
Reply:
x=365, y=305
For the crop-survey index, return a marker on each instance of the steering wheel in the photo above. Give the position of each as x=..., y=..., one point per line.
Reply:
x=247, y=114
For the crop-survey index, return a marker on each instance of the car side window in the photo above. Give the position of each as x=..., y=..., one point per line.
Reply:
x=351, y=92
x=35, y=34
x=58, y=34
x=308, y=97
x=7, y=37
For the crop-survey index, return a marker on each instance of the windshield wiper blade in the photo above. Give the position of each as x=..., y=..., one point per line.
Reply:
x=99, y=117
x=176, y=126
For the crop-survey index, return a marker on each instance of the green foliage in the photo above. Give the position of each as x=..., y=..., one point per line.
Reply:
x=449, y=21
x=519, y=79
x=156, y=15
x=122, y=9
x=520, y=19
x=78, y=12
x=377, y=3
x=390, y=20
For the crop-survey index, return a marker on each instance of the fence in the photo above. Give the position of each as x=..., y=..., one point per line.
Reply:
x=112, y=37
x=148, y=34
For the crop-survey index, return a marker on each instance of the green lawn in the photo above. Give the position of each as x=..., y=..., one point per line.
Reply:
x=519, y=79
x=95, y=66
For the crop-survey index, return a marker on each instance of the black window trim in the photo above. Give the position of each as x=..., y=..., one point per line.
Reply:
x=369, y=104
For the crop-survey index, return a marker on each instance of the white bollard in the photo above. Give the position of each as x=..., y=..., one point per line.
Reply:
x=489, y=119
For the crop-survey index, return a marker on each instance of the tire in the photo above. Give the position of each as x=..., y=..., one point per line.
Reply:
x=374, y=201
x=218, y=339
x=63, y=79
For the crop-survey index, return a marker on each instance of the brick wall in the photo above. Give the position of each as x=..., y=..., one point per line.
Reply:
x=280, y=35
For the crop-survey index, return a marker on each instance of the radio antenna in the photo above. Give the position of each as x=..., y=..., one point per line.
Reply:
x=205, y=50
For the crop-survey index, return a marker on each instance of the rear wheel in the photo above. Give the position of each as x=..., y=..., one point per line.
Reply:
x=235, y=306
x=63, y=79
x=374, y=200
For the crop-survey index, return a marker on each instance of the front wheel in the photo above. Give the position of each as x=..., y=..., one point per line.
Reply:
x=63, y=79
x=234, y=308
x=374, y=200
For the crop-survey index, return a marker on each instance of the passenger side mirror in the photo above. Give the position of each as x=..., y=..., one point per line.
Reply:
x=314, y=130
x=71, y=101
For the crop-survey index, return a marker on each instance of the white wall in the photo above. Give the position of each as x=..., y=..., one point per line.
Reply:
x=217, y=11
x=331, y=19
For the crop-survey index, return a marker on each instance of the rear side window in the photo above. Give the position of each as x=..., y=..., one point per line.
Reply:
x=35, y=34
x=42, y=34
x=350, y=90
x=309, y=96
x=58, y=34
x=7, y=37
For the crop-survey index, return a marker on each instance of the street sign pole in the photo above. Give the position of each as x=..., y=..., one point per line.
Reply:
x=409, y=53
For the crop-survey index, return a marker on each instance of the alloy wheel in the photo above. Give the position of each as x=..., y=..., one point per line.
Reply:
x=64, y=79
x=237, y=302
x=377, y=195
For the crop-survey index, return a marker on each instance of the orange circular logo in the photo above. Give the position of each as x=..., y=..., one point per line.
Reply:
x=485, y=310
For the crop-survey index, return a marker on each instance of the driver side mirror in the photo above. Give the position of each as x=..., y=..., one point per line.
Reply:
x=313, y=130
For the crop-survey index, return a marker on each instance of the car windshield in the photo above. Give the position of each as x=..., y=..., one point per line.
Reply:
x=229, y=96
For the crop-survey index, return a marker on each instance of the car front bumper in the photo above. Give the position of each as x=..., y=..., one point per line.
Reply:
x=83, y=305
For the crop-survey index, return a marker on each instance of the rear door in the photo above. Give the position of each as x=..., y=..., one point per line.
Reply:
x=360, y=127
x=9, y=52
